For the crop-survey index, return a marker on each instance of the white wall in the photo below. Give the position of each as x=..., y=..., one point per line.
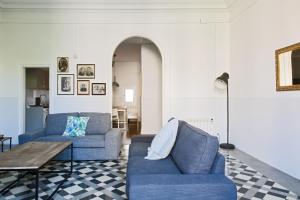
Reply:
x=264, y=123
x=193, y=54
x=151, y=89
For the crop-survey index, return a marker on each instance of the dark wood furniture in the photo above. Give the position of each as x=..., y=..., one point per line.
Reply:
x=37, y=78
x=133, y=126
x=2, y=140
x=30, y=158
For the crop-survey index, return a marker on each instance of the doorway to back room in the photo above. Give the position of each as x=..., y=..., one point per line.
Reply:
x=36, y=97
x=137, y=87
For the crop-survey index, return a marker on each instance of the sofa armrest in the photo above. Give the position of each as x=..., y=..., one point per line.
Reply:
x=113, y=140
x=218, y=166
x=143, y=138
x=31, y=135
x=181, y=187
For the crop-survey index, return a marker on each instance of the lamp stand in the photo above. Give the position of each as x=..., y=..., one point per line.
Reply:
x=227, y=145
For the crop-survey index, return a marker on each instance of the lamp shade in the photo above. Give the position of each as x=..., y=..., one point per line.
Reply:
x=222, y=81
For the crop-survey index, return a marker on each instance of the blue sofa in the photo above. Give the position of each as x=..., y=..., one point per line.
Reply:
x=101, y=142
x=194, y=170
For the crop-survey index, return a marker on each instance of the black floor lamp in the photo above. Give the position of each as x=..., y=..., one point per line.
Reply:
x=221, y=82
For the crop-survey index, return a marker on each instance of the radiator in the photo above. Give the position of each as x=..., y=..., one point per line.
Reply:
x=206, y=124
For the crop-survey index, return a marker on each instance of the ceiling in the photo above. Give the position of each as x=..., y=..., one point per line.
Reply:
x=116, y=4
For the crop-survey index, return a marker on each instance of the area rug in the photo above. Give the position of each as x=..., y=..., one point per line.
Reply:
x=105, y=180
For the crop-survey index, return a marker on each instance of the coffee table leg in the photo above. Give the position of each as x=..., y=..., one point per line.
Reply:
x=36, y=184
x=12, y=184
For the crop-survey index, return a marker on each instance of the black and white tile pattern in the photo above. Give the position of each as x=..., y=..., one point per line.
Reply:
x=105, y=180
x=254, y=185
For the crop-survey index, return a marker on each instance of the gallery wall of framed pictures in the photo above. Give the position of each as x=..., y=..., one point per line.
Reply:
x=85, y=73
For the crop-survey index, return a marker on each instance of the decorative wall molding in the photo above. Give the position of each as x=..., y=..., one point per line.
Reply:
x=113, y=17
x=122, y=11
x=116, y=4
x=239, y=6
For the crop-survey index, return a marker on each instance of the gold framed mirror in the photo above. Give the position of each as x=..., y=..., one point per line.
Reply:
x=288, y=68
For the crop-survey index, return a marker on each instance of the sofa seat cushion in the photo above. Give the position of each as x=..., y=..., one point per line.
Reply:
x=139, y=149
x=195, y=150
x=56, y=123
x=139, y=165
x=89, y=141
x=99, y=123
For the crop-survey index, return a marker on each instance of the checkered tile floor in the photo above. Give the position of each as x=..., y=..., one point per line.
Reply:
x=254, y=185
x=106, y=180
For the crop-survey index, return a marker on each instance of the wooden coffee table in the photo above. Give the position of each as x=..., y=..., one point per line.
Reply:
x=30, y=158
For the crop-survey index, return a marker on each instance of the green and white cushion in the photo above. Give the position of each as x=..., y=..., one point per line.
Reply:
x=76, y=126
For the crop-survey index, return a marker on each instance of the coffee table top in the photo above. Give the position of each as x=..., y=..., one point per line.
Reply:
x=31, y=155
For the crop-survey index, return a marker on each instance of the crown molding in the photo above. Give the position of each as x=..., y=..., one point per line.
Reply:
x=114, y=4
x=229, y=3
x=104, y=11
x=238, y=7
x=58, y=16
x=235, y=7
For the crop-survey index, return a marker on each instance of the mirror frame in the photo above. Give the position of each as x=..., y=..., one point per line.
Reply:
x=280, y=51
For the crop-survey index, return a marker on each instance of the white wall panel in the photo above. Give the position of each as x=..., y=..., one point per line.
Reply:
x=265, y=123
x=188, y=48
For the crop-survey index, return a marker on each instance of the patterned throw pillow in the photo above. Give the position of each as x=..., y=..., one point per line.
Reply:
x=76, y=126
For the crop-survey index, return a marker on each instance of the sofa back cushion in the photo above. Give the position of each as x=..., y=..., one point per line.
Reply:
x=99, y=123
x=56, y=123
x=195, y=150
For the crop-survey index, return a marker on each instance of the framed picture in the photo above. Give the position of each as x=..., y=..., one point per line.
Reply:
x=65, y=84
x=99, y=88
x=62, y=64
x=83, y=87
x=85, y=71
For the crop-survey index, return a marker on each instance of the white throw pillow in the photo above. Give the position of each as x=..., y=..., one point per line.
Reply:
x=163, y=141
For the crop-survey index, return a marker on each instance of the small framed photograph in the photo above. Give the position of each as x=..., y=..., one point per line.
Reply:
x=65, y=84
x=83, y=87
x=86, y=71
x=99, y=89
x=62, y=64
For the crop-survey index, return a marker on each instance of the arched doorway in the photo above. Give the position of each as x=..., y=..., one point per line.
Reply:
x=137, y=87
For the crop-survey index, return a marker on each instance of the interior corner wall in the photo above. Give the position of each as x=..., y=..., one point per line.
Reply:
x=264, y=122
